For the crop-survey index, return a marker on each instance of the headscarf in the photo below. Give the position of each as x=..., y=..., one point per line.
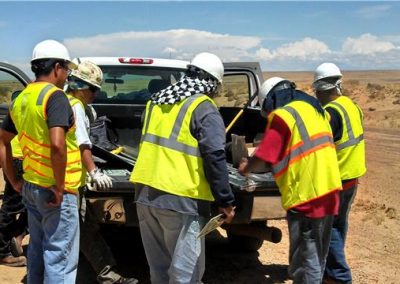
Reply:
x=184, y=88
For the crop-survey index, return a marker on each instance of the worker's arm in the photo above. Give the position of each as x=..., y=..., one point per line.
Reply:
x=60, y=119
x=8, y=132
x=336, y=123
x=248, y=165
x=272, y=147
x=6, y=159
x=85, y=146
x=58, y=155
x=208, y=128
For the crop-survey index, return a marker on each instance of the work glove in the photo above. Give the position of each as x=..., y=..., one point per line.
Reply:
x=102, y=180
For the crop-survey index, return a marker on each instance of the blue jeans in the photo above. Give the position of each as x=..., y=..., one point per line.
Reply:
x=173, y=251
x=309, y=243
x=336, y=265
x=53, y=249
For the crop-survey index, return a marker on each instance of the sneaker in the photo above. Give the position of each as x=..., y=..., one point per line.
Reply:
x=13, y=261
x=124, y=280
x=16, y=246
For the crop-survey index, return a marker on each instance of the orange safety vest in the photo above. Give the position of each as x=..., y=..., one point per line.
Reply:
x=309, y=168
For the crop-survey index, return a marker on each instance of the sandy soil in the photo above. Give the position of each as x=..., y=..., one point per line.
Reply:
x=373, y=246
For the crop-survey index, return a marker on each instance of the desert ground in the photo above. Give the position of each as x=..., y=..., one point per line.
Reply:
x=373, y=245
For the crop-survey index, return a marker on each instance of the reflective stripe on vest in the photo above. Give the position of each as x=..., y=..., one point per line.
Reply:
x=169, y=149
x=29, y=116
x=309, y=168
x=307, y=145
x=352, y=140
x=172, y=142
x=350, y=147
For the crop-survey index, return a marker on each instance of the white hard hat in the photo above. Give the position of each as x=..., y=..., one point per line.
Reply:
x=52, y=49
x=324, y=71
x=267, y=86
x=88, y=72
x=327, y=70
x=210, y=63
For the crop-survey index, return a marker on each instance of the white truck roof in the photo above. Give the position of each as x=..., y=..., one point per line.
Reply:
x=135, y=61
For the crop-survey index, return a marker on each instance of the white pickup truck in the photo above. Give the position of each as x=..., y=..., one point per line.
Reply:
x=128, y=84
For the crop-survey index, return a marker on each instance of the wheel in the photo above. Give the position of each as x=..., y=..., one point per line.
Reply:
x=245, y=243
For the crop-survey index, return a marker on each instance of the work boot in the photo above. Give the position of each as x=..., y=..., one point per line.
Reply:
x=108, y=275
x=13, y=261
x=16, y=245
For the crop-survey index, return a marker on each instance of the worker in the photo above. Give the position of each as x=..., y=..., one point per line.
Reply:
x=83, y=84
x=298, y=147
x=180, y=169
x=13, y=216
x=346, y=122
x=43, y=119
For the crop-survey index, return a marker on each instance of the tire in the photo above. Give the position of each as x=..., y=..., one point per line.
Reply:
x=244, y=243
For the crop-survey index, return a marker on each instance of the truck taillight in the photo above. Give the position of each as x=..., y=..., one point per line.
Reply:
x=128, y=60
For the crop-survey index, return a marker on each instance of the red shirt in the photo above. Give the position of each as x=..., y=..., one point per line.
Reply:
x=272, y=149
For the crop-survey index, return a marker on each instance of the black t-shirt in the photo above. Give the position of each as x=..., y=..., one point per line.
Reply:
x=336, y=123
x=59, y=113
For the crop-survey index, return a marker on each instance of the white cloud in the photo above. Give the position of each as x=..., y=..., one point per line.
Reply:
x=182, y=43
x=366, y=51
x=373, y=12
x=366, y=44
x=308, y=48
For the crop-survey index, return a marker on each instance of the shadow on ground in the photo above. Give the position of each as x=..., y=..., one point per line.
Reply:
x=222, y=264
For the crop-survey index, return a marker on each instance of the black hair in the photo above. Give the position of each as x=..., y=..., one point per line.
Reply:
x=43, y=67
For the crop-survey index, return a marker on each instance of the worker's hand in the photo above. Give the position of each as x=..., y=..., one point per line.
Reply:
x=243, y=166
x=229, y=213
x=58, y=195
x=102, y=180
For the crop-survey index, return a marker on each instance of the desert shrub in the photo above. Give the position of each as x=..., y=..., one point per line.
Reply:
x=375, y=87
x=396, y=102
x=352, y=82
x=371, y=109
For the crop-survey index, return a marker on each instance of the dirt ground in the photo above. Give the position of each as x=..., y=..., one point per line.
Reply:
x=373, y=245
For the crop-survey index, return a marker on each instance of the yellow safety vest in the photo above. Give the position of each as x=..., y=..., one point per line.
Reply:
x=169, y=158
x=309, y=168
x=16, y=148
x=28, y=112
x=351, y=147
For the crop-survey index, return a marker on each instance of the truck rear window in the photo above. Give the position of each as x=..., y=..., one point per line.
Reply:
x=134, y=85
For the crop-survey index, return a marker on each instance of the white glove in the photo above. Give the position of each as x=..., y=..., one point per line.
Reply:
x=102, y=180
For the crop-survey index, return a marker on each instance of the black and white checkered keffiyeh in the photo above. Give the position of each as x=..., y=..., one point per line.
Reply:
x=183, y=89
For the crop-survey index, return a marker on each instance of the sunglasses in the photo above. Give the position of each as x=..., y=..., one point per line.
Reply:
x=81, y=85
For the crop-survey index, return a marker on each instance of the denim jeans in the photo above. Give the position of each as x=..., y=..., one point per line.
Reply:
x=309, y=243
x=53, y=249
x=173, y=251
x=336, y=265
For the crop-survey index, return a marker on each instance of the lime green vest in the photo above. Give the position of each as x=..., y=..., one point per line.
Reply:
x=309, y=168
x=351, y=147
x=16, y=148
x=169, y=158
x=28, y=112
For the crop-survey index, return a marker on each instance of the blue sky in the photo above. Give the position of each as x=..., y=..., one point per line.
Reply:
x=283, y=35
